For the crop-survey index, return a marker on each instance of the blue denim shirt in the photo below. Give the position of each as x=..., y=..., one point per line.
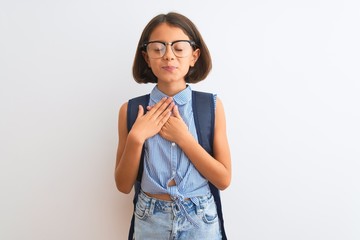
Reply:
x=165, y=161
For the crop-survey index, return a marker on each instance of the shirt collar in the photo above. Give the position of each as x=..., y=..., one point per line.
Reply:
x=181, y=98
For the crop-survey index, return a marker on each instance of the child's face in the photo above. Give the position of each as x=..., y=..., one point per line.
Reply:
x=170, y=68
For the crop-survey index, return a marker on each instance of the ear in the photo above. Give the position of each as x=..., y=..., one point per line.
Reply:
x=146, y=58
x=195, y=57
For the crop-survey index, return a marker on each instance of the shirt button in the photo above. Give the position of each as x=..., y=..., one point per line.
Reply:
x=173, y=144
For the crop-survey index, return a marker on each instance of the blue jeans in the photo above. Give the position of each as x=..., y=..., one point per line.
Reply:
x=159, y=220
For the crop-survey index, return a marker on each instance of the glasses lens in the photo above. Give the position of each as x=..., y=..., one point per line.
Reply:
x=156, y=49
x=182, y=49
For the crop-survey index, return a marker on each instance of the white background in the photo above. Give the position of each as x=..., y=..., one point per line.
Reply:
x=288, y=75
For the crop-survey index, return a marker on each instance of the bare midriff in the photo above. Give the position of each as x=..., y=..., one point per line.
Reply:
x=165, y=197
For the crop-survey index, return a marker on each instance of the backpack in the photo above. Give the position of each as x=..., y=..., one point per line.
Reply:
x=204, y=117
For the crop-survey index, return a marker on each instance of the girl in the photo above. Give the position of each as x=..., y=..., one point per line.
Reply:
x=174, y=201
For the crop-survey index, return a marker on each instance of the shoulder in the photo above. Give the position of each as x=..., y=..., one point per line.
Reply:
x=213, y=97
x=134, y=102
x=219, y=103
x=219, y=112
x=122, y=114
x=141, y=98
x=123, y=108
x=203, y=95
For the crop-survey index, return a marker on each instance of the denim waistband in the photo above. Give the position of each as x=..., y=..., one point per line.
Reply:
x=177, y=205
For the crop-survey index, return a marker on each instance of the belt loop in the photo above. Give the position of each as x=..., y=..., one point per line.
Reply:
x=152, y=205
x=198, y=208
x=201, y=202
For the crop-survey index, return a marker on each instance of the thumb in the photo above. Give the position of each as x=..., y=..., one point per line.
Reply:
x=140, y=112
x=176, y=112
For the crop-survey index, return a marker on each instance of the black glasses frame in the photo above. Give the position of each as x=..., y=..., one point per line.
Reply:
x=192, y=43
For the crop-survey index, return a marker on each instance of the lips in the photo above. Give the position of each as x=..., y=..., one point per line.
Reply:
x=169, y=68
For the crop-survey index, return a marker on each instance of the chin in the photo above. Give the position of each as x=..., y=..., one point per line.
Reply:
x=171, y=80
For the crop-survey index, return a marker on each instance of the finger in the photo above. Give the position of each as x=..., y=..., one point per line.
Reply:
x=140, y=112
x=175, y=112
x=163, y=119
x=164, y=106
x=165, y=115
x=163, y=133
x=153, y=108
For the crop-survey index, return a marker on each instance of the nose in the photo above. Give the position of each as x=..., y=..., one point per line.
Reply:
x=168, y=55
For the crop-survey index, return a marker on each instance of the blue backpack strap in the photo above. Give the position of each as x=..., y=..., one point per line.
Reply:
x=204, y=117
x=132, y=112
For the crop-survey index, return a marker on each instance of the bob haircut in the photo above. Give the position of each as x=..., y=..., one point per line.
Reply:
x=141, y=71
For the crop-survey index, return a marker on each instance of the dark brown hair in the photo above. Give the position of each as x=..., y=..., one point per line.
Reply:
x=143, y=74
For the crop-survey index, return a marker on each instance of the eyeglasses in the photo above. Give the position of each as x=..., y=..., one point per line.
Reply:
x=180, y=48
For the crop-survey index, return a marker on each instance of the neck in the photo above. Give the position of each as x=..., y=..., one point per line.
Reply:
x=171, y=89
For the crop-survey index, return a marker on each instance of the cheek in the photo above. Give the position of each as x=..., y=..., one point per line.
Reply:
x=146, y=58
x=149, y=63
x=154, y=63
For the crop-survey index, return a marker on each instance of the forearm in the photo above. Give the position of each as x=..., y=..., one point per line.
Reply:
x=212, y=169
x=128, y=165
